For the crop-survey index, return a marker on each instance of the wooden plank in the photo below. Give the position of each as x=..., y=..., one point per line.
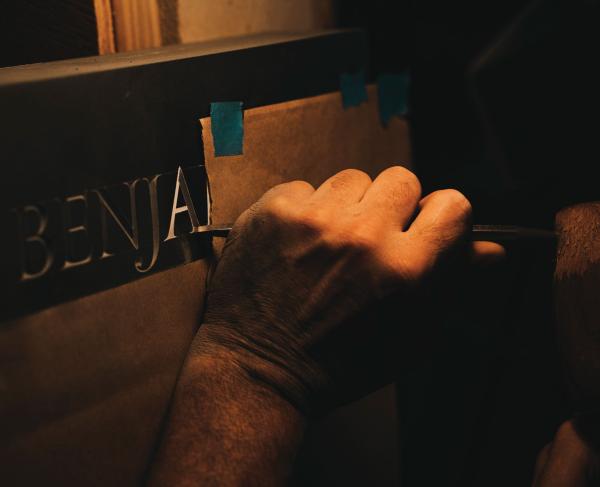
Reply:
x=137, y=24
x=140, y=24
x=201, y=20
x=105, y=27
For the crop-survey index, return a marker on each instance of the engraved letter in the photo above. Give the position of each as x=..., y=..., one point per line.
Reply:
x=71, y=230
x=133, y=234
x=152, y=186
x=189, y=205
x=37, y=238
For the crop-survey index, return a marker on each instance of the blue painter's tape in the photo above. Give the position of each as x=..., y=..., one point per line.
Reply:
x=392, y=90
x=354, y=91
x=227, y=127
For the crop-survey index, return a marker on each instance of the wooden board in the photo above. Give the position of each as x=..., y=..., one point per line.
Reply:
x=140, y=24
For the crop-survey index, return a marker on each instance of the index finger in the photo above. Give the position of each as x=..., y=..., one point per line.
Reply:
x=443, y=221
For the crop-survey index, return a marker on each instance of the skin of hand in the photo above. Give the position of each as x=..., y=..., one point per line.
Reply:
x=567, y=462
x=302, y=264
x=294, y=323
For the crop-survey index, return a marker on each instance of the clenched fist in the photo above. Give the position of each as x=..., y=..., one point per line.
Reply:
x=290, y=298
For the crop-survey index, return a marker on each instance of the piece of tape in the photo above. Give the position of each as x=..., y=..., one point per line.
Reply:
x=227, y=127
x=392, y=90
x=353, y=88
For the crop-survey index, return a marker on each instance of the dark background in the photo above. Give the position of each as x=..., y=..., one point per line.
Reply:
x=503, y=107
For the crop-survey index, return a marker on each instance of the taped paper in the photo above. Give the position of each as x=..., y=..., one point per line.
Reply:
x=393, y=96
x=227, y=127
x=353, y=88
x=309, y=139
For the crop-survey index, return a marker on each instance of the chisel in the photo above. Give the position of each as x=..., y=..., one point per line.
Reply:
x=492, y=233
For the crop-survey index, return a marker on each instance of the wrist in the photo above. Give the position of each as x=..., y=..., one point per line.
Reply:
x=275, y=366
x=236, y=376
x=224, y=428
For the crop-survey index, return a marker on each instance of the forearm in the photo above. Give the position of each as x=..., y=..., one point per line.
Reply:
x=225, y=429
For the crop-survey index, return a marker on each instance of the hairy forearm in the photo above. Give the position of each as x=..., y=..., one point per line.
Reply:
x=225, y=429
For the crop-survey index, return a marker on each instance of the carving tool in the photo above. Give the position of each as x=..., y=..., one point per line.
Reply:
x=492, y=233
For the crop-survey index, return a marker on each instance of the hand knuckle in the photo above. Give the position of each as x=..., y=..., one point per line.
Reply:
x=457, y=201
x=277, y=208
x=349, y=178
x=299, y=186
x=353, y=175
x=405, y=176
x=405, y=190
x=313, y=218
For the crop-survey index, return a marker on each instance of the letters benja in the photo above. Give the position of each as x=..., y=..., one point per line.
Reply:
x=63, y=233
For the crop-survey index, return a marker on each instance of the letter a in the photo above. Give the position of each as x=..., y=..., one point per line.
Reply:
x=189, y=205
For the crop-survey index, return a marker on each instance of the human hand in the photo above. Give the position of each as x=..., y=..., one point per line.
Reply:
x=567, y=462
x=289, y=302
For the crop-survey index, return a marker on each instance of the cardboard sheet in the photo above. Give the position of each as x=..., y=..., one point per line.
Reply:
x=309, y=139
x=85, y=385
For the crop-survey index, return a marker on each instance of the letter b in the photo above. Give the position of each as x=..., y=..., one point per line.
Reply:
x=30, y=241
